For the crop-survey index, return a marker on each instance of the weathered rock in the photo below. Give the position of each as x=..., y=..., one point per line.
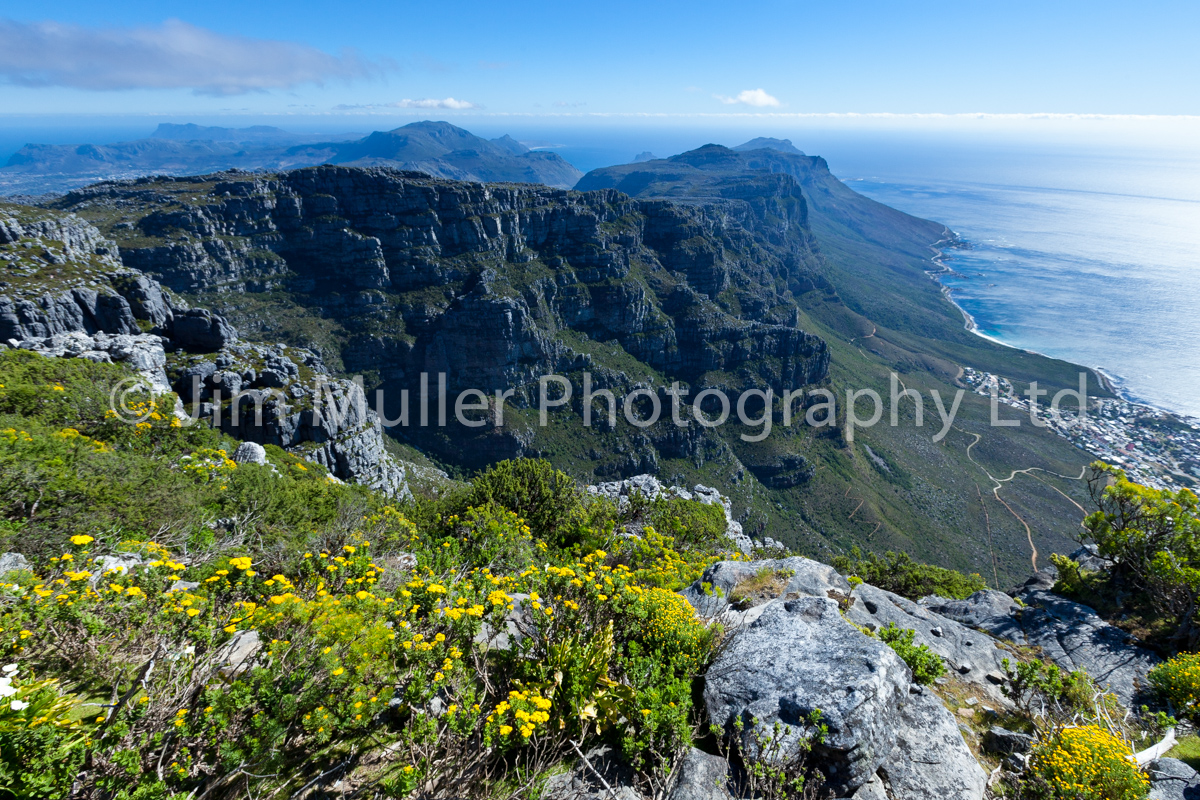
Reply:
x=701, y=776
x=201, y=329
x=710, y=594
x=1004, y=741
x=971, y=655
x=800, y=656
x=518, y=624
x=1070, y=634
x=115, y=565
x=651, y=488
x=930, y=759
x=250, y=453
x=872, y=790
x=987, y=610
x=11, y=562
x=141, y=352
x=583, y=782
x=1171, y=779
x=1088, y=558
x=237, y=655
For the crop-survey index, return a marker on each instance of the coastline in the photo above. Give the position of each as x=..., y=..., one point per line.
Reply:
x=1156, y=446
x=1113, y=384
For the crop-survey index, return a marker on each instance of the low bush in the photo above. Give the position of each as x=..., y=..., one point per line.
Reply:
x=1178, y=681
x=548, y=500
x=926, y=665
x=1152, y=538
x=898, y=573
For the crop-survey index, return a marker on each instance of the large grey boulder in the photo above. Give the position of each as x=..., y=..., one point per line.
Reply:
x=797, y=657
x=971, y=655
x=701, y=776
x=1171, y=779
x=1005, y=742
x=930, y=759
x=250, y=453
x=238, y=654
x=991, y=611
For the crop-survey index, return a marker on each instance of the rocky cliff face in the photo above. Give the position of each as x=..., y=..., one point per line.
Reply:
x=67, y=296
x=493, y=285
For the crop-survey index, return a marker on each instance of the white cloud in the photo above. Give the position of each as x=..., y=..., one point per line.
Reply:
x=751, y=97
x=174, y=55
x=427, y=102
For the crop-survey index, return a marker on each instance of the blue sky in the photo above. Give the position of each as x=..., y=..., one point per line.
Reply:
x=562, y=58
x=1068, y=73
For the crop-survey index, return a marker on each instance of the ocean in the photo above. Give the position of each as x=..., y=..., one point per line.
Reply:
x=1092, y=257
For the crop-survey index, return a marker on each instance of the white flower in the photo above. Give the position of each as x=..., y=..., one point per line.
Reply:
x=8, y=669
x=19, y=705
x=6, y=690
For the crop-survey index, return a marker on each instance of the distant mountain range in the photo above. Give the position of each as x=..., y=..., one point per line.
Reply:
x=435, y=148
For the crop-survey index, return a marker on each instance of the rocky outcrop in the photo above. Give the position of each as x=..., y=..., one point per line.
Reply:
x=712, y=595
x=285, y=396
x=12, y=562
x=701, y=776
x=797, y=657
x=973, y=657
x=143, y=353
x=651, y=488
x=1070, y=634
x=264, y=395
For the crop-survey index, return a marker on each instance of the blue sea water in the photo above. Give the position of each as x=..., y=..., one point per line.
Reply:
x=1092, y=257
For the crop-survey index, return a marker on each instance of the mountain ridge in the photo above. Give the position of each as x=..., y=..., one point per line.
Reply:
x=435, y=148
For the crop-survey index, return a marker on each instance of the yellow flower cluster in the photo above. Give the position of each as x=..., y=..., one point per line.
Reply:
x=1089, y=763
x=1179, y=680
x=527, y=710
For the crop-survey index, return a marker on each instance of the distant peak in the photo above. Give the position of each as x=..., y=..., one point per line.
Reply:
x=645, y=155
x=431, y=127
x=510, y=144
x=708, y=155
x=767, y=143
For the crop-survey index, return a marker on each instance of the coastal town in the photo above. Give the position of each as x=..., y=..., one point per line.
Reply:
x=1155, y=447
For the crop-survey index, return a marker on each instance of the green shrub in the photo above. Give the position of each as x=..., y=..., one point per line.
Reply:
x=1048, y=695
x=41, y=739
x=898, y=573
x=1152, y=536
x=548, y=500
x=1178, y=681
x=926, y=665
